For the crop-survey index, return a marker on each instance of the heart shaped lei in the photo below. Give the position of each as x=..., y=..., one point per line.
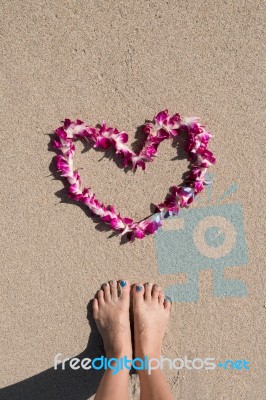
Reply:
x=164, y=126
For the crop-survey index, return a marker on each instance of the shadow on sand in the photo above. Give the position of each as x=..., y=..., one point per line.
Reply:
x=61, y=384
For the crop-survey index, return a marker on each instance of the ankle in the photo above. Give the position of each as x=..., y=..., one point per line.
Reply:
x=150, y=353
x=118, y=354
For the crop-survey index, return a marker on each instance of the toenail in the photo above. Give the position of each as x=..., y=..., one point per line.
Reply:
x=156, y=286
x=138, y=288
x=105, y=284
x=123, y=283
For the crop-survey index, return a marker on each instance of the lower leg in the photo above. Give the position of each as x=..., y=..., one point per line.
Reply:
x=154, y=386
x=113, y=387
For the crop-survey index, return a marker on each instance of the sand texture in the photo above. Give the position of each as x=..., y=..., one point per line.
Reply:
x=122, y=62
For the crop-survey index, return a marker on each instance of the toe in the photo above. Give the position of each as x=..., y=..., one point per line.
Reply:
x=95, y=308
x=124, y=289
x=156, y=289
x=113, y=289
x=138, y=293
x=106, y=290
x=161, y=298
x=100, y=297
x=148, y=289
x=167, y=303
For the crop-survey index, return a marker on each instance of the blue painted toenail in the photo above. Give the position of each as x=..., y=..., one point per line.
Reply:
x=123, y=283
x=138, y=288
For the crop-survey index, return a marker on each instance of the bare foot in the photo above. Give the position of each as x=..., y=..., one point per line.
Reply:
x=111, y=313
x=151, y=312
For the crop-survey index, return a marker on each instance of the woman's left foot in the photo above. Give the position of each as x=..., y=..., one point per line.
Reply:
x=151, y=313
x=111, y=313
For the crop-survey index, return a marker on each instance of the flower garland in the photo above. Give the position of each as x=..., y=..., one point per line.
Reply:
x=164, y=126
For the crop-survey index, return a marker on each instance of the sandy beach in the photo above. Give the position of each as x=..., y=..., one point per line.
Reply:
x=122, y=62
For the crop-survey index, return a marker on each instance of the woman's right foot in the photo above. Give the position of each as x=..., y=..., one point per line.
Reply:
x=151, y=312
x=111, y=313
